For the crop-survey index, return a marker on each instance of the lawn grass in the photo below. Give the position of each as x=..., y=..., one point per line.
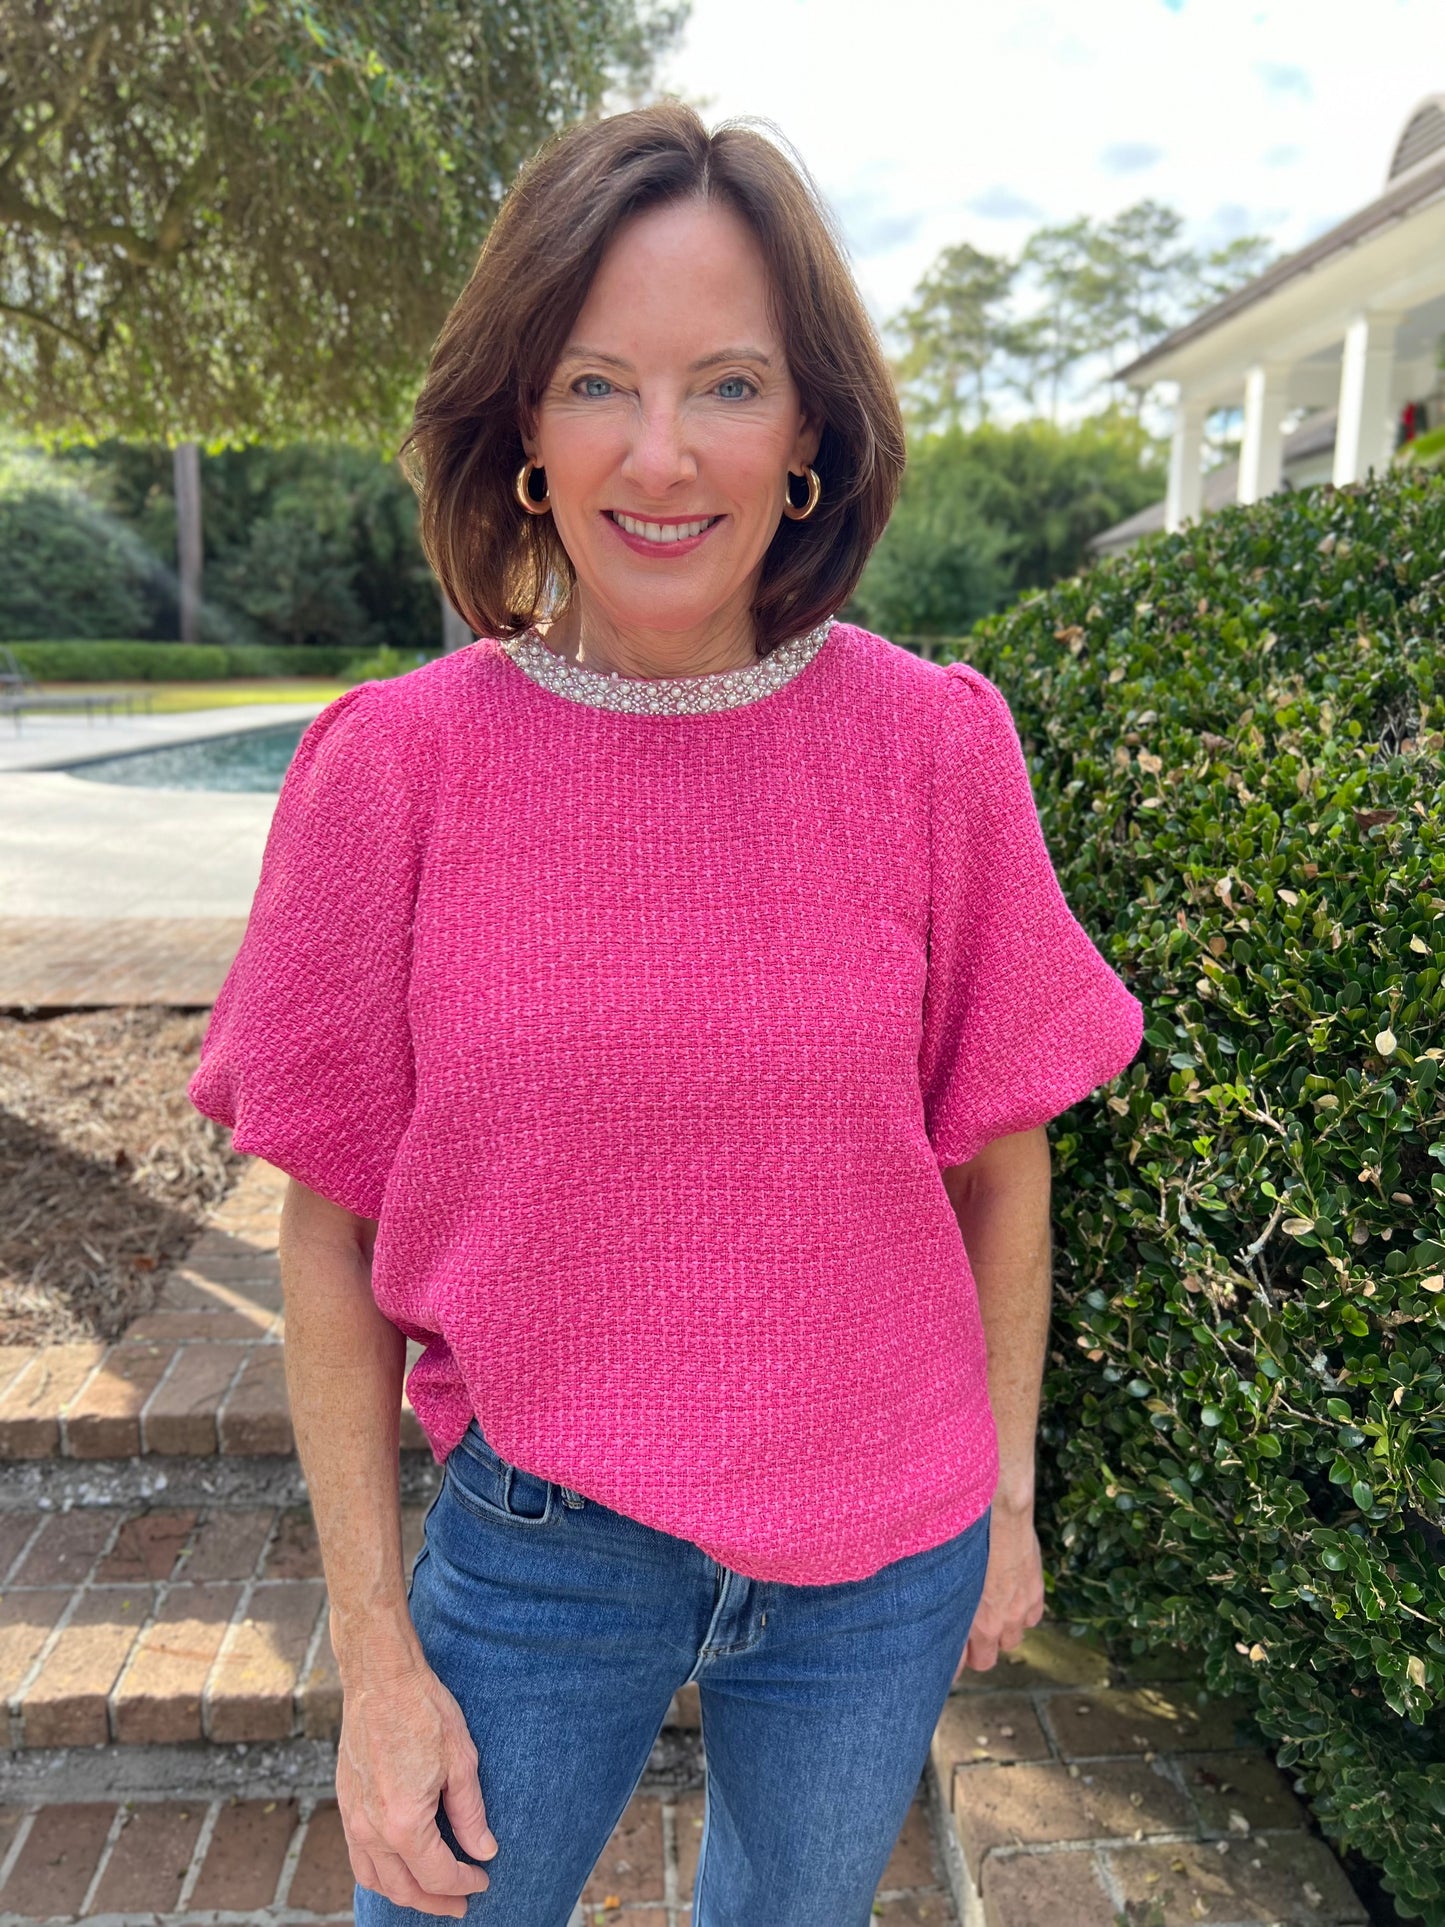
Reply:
x=169, y=698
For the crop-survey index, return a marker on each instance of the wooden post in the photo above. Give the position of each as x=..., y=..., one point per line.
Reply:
x=456, y=632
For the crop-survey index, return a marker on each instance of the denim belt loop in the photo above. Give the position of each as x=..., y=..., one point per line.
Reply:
x=571, y=1498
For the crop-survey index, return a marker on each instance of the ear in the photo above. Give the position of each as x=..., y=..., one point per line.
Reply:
x=805, y=448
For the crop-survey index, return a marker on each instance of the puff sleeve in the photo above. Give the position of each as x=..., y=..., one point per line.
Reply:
x=1022, y=1014
x=307, y=1055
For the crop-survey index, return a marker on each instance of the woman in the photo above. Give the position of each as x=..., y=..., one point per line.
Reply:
x=658, y=1005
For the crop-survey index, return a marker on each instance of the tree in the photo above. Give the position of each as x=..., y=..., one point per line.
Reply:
x=989, y=512
x=232, y=220
x=1141, y=277
x=1048, y=344
x=951, y=335
x=1082, y=297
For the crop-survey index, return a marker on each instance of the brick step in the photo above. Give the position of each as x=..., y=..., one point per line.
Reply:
x=179, y=1383
x=202, y=1373
x=178, y=1860
x=1089, y=1792
x=162, y=1625
x=199, y=1374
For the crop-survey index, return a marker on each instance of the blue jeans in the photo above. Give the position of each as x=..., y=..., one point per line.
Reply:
x=563, y=1629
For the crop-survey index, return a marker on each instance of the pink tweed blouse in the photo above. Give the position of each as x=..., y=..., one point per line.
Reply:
x=644, y=1038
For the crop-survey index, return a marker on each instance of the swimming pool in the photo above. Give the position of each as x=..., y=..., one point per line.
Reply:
x=248, y=759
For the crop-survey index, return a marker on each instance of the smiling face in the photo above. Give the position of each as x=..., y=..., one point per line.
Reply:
x=670, y=424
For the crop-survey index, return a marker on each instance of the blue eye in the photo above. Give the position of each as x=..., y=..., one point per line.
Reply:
x=734, y=381
x=603, y=385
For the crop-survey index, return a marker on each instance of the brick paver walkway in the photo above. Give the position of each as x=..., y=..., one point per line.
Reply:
x=54, y=963
x=174, y=1861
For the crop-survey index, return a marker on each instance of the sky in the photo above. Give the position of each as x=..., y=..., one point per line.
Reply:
x=927, y=122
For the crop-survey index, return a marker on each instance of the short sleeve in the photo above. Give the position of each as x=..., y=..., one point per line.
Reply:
x=307, y=1055
x=1023, y=1016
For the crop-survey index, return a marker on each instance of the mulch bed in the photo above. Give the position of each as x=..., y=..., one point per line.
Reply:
x=107, y=1173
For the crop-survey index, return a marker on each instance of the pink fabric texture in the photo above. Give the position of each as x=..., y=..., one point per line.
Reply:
x=645, y=1038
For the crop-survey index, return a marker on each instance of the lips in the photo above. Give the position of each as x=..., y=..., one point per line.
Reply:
x=661, y=542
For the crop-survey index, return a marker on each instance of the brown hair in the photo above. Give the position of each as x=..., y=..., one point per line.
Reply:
x=502, y=568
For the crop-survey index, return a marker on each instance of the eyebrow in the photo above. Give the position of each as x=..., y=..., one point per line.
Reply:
x=577, y=352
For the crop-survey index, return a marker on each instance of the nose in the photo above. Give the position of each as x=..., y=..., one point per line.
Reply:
x=659, y=455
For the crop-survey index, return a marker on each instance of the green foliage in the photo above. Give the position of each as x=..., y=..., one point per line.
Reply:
x=951, y=334
x=176, y=661
x=989, y=511
x=1099, y=292
x=1240, y=766
x=237, y=218
x=310, y=544
x=1425, y=451
x=66, y=572
x=378, y=667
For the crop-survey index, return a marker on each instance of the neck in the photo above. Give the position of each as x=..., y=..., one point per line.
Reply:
x=589, y=638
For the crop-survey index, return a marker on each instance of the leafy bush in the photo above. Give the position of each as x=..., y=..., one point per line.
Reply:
x=310, y=544
x=68, y=569
x=381, y=665
x=1425, y=451
x=987, y=512
x=1236, y=733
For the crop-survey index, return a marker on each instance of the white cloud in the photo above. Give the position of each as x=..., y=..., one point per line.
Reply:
x=928, y=122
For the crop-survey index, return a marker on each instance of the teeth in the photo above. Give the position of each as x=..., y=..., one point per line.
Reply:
x=659, y=531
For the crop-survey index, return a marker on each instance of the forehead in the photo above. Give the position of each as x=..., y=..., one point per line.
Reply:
x=681, y=275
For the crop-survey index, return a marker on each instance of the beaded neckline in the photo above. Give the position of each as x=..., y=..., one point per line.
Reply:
x=666, y=695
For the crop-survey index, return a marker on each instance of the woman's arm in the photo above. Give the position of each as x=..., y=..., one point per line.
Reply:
x=404, y=1742
x=1001, y=1200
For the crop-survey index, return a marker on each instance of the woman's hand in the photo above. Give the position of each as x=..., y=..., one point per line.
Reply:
x=1013, y=1589
x=404, y=1744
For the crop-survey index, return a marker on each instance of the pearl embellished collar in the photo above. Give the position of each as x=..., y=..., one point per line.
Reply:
x=665, y=695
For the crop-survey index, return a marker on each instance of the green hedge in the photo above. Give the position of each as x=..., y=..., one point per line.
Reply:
x=1236, y=734
x=177, y=661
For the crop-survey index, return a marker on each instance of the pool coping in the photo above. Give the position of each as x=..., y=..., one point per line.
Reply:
x=63, y=762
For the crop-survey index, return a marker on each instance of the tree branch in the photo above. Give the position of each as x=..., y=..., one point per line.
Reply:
x=66, y=106
x=144, y=251
x=46, y=321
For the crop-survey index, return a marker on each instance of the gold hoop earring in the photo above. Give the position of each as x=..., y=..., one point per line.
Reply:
x=815, y=489
x=524, y=490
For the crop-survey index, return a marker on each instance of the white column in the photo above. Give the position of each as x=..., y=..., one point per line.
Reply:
x=1186, y=450
x=1266, y=396
x=1364, y=434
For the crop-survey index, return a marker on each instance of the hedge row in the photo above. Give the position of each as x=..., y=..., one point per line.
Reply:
x=176, y=661
x=1236, y=735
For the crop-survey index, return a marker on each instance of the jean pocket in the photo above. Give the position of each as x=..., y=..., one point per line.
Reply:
x=492, y=1488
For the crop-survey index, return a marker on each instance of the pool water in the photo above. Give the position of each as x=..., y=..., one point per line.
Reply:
x=251, y=759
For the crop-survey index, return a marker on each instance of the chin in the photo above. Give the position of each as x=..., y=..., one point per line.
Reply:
x=684, y=606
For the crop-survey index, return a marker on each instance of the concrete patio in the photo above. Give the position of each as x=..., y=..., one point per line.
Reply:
x=111, y=894
x=77, y=848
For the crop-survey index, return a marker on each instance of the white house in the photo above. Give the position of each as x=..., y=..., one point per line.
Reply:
x=1348, y=330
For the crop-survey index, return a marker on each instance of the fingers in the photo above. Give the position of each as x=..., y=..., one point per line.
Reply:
x=396, y=1884
x=435, y=1867
x=462, y=1798
x=981, y=1651
x=400, y=1885
x=420, y=1871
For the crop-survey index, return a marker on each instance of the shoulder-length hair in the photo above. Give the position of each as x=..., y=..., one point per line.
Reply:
x=503, y=569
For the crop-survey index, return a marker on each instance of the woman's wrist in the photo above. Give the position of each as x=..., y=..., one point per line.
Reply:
x=377, y=1643
x=1014, y=1497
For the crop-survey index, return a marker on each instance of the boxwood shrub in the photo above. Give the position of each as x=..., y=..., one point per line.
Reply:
x=1236, y=740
